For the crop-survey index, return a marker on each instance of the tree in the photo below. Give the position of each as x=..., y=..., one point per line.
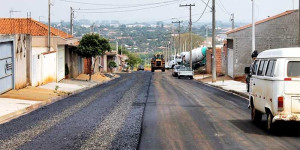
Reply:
x=92, y=45
x=112, y=65
x=196, y=39
x=132, y=60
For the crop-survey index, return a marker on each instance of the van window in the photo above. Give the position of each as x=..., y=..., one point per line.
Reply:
x=254, y=67
x=265, y=67
x=293, y=69
x=270, y=70
x=260, y=68
x=274, y=64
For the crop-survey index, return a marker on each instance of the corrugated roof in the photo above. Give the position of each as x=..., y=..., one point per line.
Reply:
x=28, y=26
x=262, y=21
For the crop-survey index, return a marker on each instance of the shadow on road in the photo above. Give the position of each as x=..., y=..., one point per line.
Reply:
x=281, y=129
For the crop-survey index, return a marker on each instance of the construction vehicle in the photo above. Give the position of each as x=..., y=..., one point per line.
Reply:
x=158, y=63
x=198, y=57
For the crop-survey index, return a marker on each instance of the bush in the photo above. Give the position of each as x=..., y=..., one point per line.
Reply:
x=112, y=64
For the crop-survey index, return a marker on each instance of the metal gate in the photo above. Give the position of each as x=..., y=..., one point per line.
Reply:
x=6, y=66
x=230, y=62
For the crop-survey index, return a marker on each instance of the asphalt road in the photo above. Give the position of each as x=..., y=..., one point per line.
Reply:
x=185, y=114
x=108, y=116
x=146, y=110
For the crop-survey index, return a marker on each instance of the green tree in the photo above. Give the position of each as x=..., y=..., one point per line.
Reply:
x=112, y=65
x=92, y=45
x=196, y=39
x=132, y=60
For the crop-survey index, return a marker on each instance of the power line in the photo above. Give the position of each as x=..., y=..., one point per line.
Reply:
x=222, y=7
x=132, y=5
x=125, y=10
x=206, y=4
x=203, y=11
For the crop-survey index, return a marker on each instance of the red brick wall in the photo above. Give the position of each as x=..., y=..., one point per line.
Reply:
x=87, y=65
x=218, y=61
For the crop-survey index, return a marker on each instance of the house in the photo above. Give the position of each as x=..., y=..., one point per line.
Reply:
x=14, y=60
x=45, y=65
x=278, y=31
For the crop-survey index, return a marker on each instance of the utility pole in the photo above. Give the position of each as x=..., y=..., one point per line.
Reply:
x=206, y=36
x=253, y=26
x=190, y=30
x=49, y=24
x=185, y=45
x=299, y=25
x=71, y=20
x=214, y=71
x=232, y=20
x=179, y=22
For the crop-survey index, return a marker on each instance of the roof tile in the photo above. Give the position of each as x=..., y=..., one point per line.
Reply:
x=28, y=26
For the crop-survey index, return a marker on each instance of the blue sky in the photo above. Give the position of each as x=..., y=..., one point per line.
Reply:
x=61, y=9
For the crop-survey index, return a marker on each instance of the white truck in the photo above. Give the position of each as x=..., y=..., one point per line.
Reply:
x=274, y=86
x=185, y=72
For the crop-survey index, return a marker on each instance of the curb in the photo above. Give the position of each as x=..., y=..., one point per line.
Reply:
x=31, y=108
x=243, y=95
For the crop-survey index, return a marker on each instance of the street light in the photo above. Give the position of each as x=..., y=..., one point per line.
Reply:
x=253, y=26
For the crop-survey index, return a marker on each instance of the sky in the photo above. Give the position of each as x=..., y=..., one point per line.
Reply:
x=145, y=10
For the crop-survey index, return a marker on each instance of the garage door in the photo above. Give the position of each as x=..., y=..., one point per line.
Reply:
x=6, y=66
x=61, y=63
x=230, y=62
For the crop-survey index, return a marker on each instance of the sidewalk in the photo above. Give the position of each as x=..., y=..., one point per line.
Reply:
x=226, y=83
x=19, y=102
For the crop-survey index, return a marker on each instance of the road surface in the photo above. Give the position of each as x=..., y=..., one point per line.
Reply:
x=185, y=114
x=145, y=110
x=108, y=116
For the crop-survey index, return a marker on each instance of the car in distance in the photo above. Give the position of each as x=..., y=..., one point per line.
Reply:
x=175, y=70
x=274, y=86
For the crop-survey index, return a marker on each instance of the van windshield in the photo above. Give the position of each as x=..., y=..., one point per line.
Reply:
x=293, y=69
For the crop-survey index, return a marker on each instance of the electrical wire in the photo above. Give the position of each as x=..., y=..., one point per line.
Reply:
x=125, y=6
x=79, y=11
x=222, y=7
x=203, y=12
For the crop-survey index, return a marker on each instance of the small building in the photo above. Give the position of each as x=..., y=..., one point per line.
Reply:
x=45, y=65
x=279, y=31
x=14, y=50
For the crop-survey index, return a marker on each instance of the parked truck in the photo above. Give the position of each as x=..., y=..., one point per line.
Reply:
x=158, y=63
x=198, y=57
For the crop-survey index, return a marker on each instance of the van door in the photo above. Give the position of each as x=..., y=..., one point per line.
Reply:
x=292, y=84
x=259, y=85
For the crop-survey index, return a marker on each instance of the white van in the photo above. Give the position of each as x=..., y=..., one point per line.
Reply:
x=275, y=86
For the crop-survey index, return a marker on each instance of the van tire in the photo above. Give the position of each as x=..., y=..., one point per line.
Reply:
x=256, y=116
x=178, y=77
x=270, y=124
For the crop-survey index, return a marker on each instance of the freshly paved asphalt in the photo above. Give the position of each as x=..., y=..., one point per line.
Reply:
x=185, y=114
x=108, y=116
x=146, y=110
